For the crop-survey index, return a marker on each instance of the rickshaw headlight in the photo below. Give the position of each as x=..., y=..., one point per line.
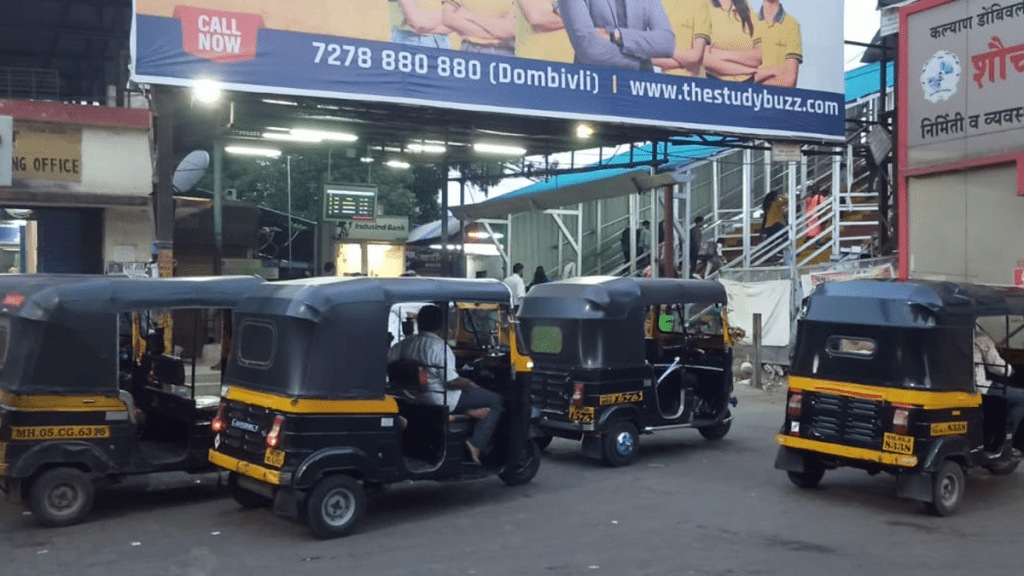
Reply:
x=274, y=436
x=900, y=421
x=217, y=424
x=794, y=405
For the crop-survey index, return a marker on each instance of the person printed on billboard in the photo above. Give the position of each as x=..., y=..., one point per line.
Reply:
x=781, y=46
x=486, y=26
x=418, y=22
x=540, y=32
x=735, y=51
x=691, y=22
x=618, y=33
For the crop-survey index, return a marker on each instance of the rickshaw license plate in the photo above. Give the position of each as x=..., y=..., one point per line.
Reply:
x=584, y=415
x=897, y=443
x=274, y=457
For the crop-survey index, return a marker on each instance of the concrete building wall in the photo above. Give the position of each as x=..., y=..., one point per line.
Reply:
x=127, y=234
x=966, y=226
x=116, y=161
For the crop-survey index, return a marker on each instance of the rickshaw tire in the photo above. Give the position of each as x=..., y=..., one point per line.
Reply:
x=339, y=488
x=610, y=443
x=71, y=483
x=715, y=431
x=950, y=475
x=245, y=498
x=524, y=474
x=809, y=478
x=544, y=441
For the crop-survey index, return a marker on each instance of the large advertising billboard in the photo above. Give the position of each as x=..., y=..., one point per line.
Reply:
x=965, y=69
x=747, y=67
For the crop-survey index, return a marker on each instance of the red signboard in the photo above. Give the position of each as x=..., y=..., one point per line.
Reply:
x=218, y=35
x=1018, y=276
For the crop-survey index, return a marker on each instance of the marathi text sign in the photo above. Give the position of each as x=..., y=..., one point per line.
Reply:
x=495, y=55
x=966, y=64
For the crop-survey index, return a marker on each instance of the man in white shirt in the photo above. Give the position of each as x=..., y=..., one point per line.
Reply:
x=988, y=361
x=444, y=385
x=516, y=284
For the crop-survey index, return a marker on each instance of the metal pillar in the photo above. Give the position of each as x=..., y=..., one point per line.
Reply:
x=652, y=256
x=747, y=160
x=687, y=273
x=600, y=237
x=446, y=267
x=669, y=259
x=715, y=191
x=579, y=241
x=836, y=214
x=218, y=207
x=464, y=263
x=165, y=102
x=633, y=225
x=291, y=268
x=794, y=199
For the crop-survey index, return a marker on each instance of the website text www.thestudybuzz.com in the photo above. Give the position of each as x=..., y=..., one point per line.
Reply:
x=465, y=68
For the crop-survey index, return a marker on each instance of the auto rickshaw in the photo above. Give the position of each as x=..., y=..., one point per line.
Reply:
x=883, y=379
x=618, y=357
x=91, y=390
x=314, y=417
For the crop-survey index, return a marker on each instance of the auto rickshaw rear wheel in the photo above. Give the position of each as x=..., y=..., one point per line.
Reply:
x=620, y=443
x=947, y=489
x=335, y=506
x=525, y=470
x=61, y=497
x=246, y=498
x=810, y=477
x=716, y=431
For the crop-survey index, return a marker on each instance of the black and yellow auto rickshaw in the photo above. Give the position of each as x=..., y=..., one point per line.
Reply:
x=883, y=379
x=314, y=417
x=90, y=390
x=618, y=357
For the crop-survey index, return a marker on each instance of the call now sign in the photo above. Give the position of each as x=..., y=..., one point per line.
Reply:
x=218, y=35
x=45, y=151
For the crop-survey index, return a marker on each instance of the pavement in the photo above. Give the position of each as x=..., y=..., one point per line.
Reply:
x=687, y=506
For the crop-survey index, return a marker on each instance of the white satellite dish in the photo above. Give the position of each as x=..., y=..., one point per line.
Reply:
x=18, y=213
x=191, y=170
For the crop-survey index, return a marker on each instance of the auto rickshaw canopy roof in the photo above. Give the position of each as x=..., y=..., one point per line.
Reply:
x=328, y=337
x=60, y=332
x=63, y=297
x=596, y=297
x=910, y=303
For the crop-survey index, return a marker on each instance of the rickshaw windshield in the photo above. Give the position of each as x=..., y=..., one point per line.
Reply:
x=934, y=358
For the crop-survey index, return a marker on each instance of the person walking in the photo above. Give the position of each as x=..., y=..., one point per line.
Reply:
x=696, y=237
x=539, y=277
x=515, y=283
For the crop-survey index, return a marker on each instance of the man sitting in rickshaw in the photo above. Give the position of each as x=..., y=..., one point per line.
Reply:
x=429, y=349
x=988, y=360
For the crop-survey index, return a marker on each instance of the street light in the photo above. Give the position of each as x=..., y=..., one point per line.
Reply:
x=499, y=149
x=250, y=151
x=206, y=91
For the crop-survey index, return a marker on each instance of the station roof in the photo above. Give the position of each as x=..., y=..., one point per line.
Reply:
x=574, y=188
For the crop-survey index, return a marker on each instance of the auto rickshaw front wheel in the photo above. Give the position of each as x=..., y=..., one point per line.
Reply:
x=947, y=489
x=61, y=497
x=525, y=470
x=620, y=443
x=335, y=506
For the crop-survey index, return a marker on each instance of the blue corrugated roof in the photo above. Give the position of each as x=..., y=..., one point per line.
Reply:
x=863, y=81
x=860, y=82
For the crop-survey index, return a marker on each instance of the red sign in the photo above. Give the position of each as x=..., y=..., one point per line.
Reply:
x=217, y=35
x=1018, y=276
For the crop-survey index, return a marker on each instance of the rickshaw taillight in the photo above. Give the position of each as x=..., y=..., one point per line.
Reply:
x=217, y=424
x=577, y=394
x=422, y=376
x=794, y=405
x=274, y=436
x=900, y=421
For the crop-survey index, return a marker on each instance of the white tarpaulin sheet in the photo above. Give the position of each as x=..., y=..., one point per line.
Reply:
x=770, y=299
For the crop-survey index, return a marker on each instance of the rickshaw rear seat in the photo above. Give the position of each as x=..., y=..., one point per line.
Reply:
x=169, y=370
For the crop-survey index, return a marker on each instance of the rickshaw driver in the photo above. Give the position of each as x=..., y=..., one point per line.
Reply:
x=464, y=396
x=987, y=359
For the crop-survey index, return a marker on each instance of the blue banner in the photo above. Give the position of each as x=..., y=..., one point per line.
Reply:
x=240, y=52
